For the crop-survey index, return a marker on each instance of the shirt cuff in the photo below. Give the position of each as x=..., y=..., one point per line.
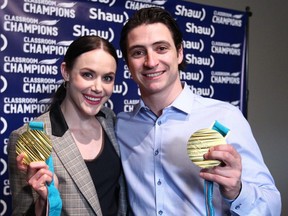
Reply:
x=242, y=204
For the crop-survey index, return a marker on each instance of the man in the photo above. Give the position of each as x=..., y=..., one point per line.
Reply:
x=153, y=138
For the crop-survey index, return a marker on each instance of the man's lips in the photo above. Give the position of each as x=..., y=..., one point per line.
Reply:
x=151, y=75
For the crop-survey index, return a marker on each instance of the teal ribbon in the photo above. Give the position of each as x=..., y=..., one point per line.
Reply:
x=208, y=191
x=208, y=185
x=54, y=199
x=220, y=128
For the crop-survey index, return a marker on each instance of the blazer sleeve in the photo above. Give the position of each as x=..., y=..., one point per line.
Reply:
x=23, y=198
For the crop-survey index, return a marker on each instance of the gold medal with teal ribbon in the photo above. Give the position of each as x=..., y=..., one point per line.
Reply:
x=199, y=144
x=37, y=146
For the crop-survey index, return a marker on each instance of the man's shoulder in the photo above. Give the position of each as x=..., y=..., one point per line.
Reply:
x=213, y=103
x=124, y=115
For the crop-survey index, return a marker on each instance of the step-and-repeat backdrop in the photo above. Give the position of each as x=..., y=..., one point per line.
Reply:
x=35, y=35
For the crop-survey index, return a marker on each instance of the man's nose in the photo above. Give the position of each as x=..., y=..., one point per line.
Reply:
x=151, y=59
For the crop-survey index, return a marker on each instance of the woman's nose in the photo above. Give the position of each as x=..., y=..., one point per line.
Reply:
x=97, y=85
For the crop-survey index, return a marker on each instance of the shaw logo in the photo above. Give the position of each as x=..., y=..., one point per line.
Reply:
x=5, y=42
x=235, y=103
x=121, y=89
x=4, y=81
x=195, y=76
x=5, y=2
x=205, y=92
x=202, y=30
x=109, y=2
x=195, y=45
x=80, y=30
x=192, y=59
x=181, y=10
x=4, y=125
x=109, y=104
x=4, y=206
x=106, y=16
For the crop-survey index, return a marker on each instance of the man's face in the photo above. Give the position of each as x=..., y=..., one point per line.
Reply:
x=153, y=58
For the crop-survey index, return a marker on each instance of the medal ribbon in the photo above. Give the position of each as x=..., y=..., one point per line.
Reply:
x=54, y=199
x=208, y=185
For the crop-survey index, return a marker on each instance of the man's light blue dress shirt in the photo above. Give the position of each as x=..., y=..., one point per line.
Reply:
x=160, y=177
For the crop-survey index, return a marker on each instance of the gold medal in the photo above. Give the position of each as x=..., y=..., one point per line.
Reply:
x=35, y=144
x=199, y=144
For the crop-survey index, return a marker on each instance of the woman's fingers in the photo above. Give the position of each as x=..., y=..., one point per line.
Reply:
x=38, y=177
x=20, y=163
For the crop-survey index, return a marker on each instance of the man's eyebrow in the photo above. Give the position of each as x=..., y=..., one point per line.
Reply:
x=162, y=42
x=155, y=43
x=135, y=47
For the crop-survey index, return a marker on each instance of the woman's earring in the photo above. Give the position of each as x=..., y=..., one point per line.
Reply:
x=65, y=84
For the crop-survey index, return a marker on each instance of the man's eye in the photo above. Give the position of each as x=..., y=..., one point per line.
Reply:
x=137, y=53
x=162, y=49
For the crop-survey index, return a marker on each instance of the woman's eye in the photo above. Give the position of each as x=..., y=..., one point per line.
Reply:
x=87, y=75
x=108, y=78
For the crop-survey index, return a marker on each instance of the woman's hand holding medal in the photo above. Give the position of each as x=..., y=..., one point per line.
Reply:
x=38, y=174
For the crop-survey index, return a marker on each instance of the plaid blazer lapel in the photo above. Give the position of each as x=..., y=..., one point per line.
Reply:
x=68, y=153
x=107, y=123
x=108, y=127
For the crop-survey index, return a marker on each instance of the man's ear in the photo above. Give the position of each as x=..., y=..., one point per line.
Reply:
x=180, y=53
x=64, y=72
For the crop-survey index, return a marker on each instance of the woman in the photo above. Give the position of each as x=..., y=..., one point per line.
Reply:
x=85, y=153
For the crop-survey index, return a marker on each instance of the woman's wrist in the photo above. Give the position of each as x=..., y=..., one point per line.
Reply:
x=40, y=206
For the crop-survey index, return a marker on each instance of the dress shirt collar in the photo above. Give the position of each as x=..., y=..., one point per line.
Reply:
x=182, y=102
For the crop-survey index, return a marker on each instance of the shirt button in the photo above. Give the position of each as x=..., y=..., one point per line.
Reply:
x=159, y=182
x=156, y=152
x=238, y=207
x=159, y=122
x=160, y=212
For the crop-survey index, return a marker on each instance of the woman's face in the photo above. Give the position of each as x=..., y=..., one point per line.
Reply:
x=90, y=81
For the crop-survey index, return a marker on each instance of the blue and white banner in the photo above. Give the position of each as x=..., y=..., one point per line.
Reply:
x=35, y=35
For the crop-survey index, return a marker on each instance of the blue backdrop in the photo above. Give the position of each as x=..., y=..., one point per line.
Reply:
x=35, y=35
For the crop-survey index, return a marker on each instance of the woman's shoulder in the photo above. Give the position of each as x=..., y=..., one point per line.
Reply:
x=108, y=113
